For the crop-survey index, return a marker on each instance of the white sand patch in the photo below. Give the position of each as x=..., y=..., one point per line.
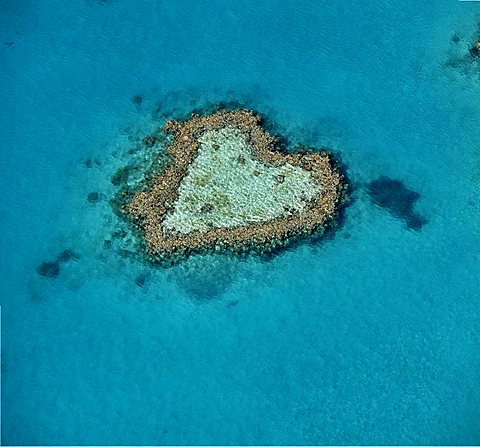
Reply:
x=226, y=187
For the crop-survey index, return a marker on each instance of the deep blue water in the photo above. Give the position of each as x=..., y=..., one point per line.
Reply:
x=369, y=336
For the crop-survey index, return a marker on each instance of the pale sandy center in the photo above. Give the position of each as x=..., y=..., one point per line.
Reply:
x=226, y=187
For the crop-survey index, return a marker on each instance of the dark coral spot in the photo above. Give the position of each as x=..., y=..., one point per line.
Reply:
x=121, y=176
x=141, y=279
x=119, y=234
x=49, y=269
x=397, y=199
x=206, y=208
x=126, y=253
x=149, y=140
x=137, y=100
x=93, y=197
x=89, y=163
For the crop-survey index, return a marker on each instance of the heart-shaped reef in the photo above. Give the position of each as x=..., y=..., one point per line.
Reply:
x=229, y=186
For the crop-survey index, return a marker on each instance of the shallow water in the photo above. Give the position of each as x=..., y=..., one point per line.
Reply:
x=368, y=336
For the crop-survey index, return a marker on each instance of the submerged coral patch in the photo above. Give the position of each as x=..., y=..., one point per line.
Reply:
x=93, y=197
x=51, y=269
x=229, y=186
x=395, y=197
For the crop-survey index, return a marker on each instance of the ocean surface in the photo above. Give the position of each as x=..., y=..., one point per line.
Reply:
x=369, y=335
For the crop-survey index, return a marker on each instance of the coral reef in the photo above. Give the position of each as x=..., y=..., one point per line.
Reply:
x=228, y=186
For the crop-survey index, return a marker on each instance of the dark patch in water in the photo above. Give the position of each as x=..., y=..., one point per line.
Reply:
x=137, y=100
x=49, y=269
x=67, y=255
x=462, y=60
x=125, y=254
x=89, y=163
x=121, y=176
x=93, y=197
x=119, y=234
x=474, y=51
x=141, y=279
x=149, y=140
x=397, y=199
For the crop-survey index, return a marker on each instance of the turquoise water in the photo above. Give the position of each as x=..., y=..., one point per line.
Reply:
x=369, y=336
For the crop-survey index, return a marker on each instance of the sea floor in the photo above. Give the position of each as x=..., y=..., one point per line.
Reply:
x=369, y=335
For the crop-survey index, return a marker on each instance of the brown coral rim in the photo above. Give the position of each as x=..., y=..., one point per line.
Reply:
x=150, y=207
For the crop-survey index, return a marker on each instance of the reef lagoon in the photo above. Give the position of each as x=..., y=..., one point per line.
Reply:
x=365, y=333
